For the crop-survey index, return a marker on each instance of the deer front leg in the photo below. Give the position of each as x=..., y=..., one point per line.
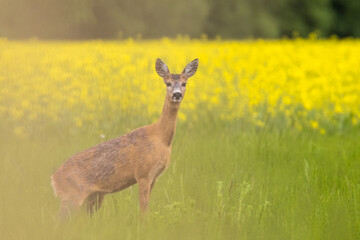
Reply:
x=144, y=194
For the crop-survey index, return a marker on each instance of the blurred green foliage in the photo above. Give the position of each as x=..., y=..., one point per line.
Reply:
x=83, y=19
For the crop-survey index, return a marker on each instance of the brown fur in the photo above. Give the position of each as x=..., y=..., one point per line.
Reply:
x=137, y=157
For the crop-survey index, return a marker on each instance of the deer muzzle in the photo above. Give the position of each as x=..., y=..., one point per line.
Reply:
x=177, y=96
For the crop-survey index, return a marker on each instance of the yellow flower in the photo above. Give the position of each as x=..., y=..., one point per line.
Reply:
x=84, y=83
x=314, y=124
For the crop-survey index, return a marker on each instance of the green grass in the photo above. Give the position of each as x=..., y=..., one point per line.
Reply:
x=225, y=181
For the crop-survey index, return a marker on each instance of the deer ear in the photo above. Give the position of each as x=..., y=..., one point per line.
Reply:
x=191, y=68
x=161, y=68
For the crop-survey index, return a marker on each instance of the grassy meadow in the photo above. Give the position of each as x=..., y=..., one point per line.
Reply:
x=267, y=143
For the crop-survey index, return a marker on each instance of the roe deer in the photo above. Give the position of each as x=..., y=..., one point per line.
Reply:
x=137, y=157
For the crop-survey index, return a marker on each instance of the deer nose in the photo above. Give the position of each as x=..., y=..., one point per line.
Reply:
x=177, y=95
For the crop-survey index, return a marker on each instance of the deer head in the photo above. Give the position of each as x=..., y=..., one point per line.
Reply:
x=175, y=83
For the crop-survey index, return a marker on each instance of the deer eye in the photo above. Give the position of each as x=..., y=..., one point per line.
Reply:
x=168, y=84
x=183, y=84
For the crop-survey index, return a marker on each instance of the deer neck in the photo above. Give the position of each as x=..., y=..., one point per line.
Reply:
x=166, y=124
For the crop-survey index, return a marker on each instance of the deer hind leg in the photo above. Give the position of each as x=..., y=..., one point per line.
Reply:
x=67, y=208
x=70, y=204
x=94, y=202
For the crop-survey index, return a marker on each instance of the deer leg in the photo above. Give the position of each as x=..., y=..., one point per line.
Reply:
x=144, y=194
x=71, y=203
x=152, y=185
x=94, y=202
x=67, y=208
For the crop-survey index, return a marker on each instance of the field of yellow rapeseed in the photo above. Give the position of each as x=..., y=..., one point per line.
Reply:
x=306, y=83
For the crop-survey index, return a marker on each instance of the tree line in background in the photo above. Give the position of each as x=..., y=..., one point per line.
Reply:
x=84, y=19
